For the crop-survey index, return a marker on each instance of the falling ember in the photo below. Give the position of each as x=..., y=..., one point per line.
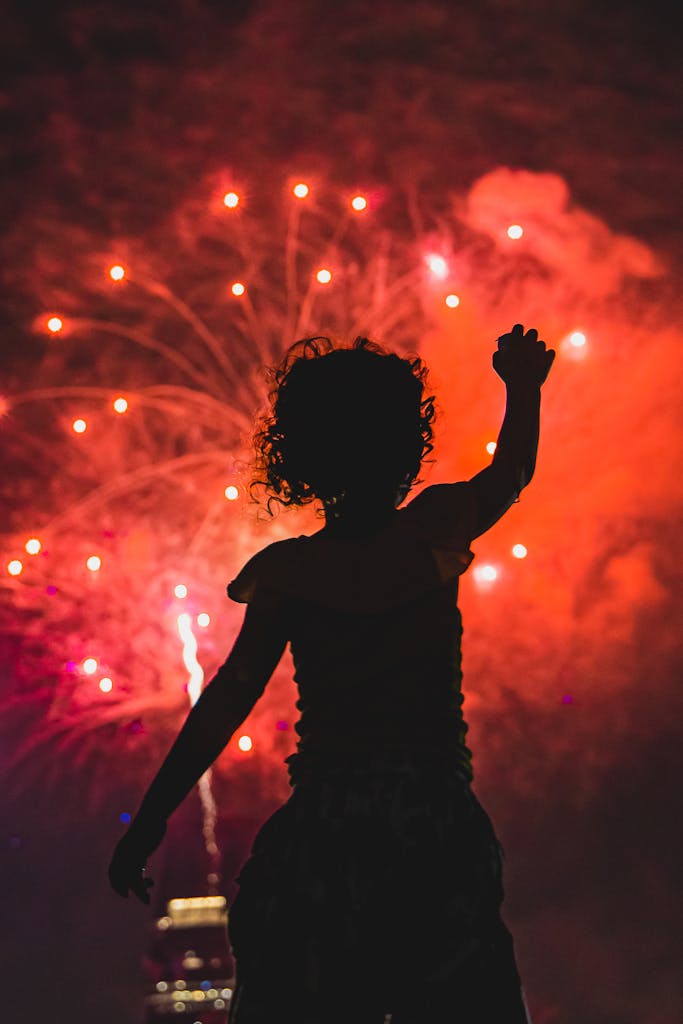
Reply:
x=94, y=563
x=452, y=301
x=231, y=200
x=324, y=276
x=238, y=288
x=79, y=426
x=515, y=231
x=359, y=203
x=90, y=666
x=519, y=551
x=55, y=324
x=245, y=743
x=180, y=590
x=491, y=447
x=577, y=338
x=231, y=492
x=120, y=405
x=437, y=265
x=301, y=190
x=117, y=272
x=485, y=573
x=33, y=546
x=194, y=688
x=106, y=684
x=203, y=619
x=14, y=567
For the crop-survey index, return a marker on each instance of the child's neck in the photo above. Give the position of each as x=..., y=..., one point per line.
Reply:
x=359, y=519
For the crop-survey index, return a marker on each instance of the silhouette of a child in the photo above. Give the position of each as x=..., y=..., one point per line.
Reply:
x=374, y=892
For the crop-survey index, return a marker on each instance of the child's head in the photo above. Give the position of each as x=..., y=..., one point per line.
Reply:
x=342, y=421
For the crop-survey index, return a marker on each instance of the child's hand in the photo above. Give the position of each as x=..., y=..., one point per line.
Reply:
x=521, y=358
x=130, y=856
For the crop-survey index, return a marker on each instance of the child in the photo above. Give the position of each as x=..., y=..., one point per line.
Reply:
x=374, y=892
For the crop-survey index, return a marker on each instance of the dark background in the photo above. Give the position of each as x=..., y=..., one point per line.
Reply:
x=110, y=115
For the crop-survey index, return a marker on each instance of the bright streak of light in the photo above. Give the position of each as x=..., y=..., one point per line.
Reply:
x=79, y=426
x=208, y=803
x=238, y=288
x=120, y=405
x=180, y=590
x=231, y=492
x=203, y=619
x=437, y=265
x=491, y=447
x=14, y=567
x=515, y=231
x=245, y=743
x=485, y=573
x=94, y=563
x=106, y=684
x=190, y=657
x=452, y=301
x=117, y=272
x=301, y=190
x=55, y=324
x=90, y=666
x=577, y=339
x=231, y=200
x=519, y=551
x=324, y=276
x=33, y=546
x=359, y=203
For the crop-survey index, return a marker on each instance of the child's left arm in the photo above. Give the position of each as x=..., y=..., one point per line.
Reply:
x=220, y=710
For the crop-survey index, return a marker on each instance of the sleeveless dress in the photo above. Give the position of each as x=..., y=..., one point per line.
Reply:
x=374, y=892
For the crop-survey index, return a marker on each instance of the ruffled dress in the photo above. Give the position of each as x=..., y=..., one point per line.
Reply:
x=377, y=886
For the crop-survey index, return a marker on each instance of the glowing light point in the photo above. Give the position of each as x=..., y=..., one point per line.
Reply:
x=79, y=426
x=488, y=573
x=117, y=272
x=244, y=743
x=120, y=405
x=231, y=200
x=203, y=619
x=437, y=265
x=359, y=203
x=519, y=551
x=106, y=684
x=301, y=190
x=515, y=231
x=452, y=301
x=238, y=288
x=324, y=276
x=33, y=546
x=94, y=563
x=90, y=666
x=491, y=447
x=231, y=492
x=14, y=567
x=577, y=339
x=180, y=590
x=55, y=324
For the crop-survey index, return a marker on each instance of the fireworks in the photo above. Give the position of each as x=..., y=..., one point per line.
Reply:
x=131, y=441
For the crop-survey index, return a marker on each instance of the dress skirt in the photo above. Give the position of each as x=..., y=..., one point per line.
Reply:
x=374, y=895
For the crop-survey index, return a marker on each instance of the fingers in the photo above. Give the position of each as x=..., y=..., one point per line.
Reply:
x=140, y=889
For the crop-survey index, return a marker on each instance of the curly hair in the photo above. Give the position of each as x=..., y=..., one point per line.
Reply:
x=341, y=419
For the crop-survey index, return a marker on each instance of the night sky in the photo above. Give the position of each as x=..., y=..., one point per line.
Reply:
x=124, y=125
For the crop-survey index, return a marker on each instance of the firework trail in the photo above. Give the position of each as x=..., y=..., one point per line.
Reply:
x=129, y=451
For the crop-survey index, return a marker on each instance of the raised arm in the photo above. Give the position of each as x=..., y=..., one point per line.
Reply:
x=523, y=363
